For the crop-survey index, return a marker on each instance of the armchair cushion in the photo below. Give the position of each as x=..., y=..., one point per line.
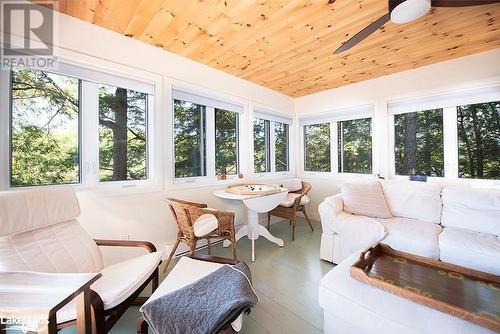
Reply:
x=61, y=248
x=294, y=184
x=205, y=224
x=118, y=282
x=22, y=211
x=290, y=199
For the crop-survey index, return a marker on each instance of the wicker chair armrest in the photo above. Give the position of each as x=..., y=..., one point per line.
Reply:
x=305, y=188
x=187, y=203
x=126, y=243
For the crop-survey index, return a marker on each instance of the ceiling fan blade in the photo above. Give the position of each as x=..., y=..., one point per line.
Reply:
x=462, y=3
x=370, y=29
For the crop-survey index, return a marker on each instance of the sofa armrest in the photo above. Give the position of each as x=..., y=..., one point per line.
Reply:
x=126, y=243
x=328, y=211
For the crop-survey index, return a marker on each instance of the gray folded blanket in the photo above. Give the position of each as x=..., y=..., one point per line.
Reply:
x=205, y=306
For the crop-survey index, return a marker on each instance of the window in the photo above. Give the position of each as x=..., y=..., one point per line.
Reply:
x=226, y=142
x=419, y=143
x=281, y=146
x=479, y=140
x=261, y=147
x=189, y=139
x=206, y=136
x=45, y=114
x=317, y=147
x=270, y=143
x=355, y=146
x=74, y=125
x=122, y=134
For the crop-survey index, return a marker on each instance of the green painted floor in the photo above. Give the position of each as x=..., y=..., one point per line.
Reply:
x=286, y=280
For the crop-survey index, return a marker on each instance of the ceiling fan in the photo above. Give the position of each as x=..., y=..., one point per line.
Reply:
x=404, y=11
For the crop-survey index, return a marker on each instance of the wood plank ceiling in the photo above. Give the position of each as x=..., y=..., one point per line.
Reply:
x=287, y=45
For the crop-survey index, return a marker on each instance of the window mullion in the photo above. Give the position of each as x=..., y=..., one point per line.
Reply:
x=4, y=129
x=210, y=141
x=334, y=163
x=272, y=147
x=450, y=142
x=392, y=145
x=89, y=114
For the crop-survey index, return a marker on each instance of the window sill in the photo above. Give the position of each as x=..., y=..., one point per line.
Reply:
x=199, y=182
x=475, y=183
x=107, y=189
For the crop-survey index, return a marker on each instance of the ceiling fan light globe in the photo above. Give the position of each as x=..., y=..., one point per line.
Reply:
x=404, y=11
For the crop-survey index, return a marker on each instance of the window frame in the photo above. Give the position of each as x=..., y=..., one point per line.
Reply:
x=340, y=137
x=392, y=143
x=210, y=177
x=270, y=119
x=238, y=135
x=448, y=102
x=267, y=146
x=89, y=124
x=333, y=118
x=79, y=137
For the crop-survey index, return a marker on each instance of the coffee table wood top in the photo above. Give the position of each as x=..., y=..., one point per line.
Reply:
x=459, y=291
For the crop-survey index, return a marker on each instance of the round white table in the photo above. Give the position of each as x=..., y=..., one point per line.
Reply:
x=255, y=204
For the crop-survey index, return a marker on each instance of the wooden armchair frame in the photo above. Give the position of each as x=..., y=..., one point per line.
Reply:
x=185, y=214
x=290, y=213
x=101, y=325
x=142, y=325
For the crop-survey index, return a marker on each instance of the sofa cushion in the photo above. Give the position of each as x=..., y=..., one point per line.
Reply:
x=466, y=248
x=414, y=200
x=365, y=198
x=27, y=210
x=290, y=199
x=205, y=224
x=292, y=184
x=474, y=209
x=118, y=282
x=373, y=310
x=62, y=248
x=412, y=236
x=185, y=272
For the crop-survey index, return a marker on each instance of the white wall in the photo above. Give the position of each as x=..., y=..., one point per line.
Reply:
x=462, y=73
x=141, y=214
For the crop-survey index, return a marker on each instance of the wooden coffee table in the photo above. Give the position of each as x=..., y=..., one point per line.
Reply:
x=37, y=297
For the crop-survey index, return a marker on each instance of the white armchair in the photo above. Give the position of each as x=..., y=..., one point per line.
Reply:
x=39, y=231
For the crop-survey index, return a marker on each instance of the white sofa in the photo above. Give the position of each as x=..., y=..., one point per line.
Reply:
x=454, y=224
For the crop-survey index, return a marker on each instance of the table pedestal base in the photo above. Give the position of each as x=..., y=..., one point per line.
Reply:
x=254, y=230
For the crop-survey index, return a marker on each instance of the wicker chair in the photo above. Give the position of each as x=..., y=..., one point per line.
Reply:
x=188, y=214
x=290, y=212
